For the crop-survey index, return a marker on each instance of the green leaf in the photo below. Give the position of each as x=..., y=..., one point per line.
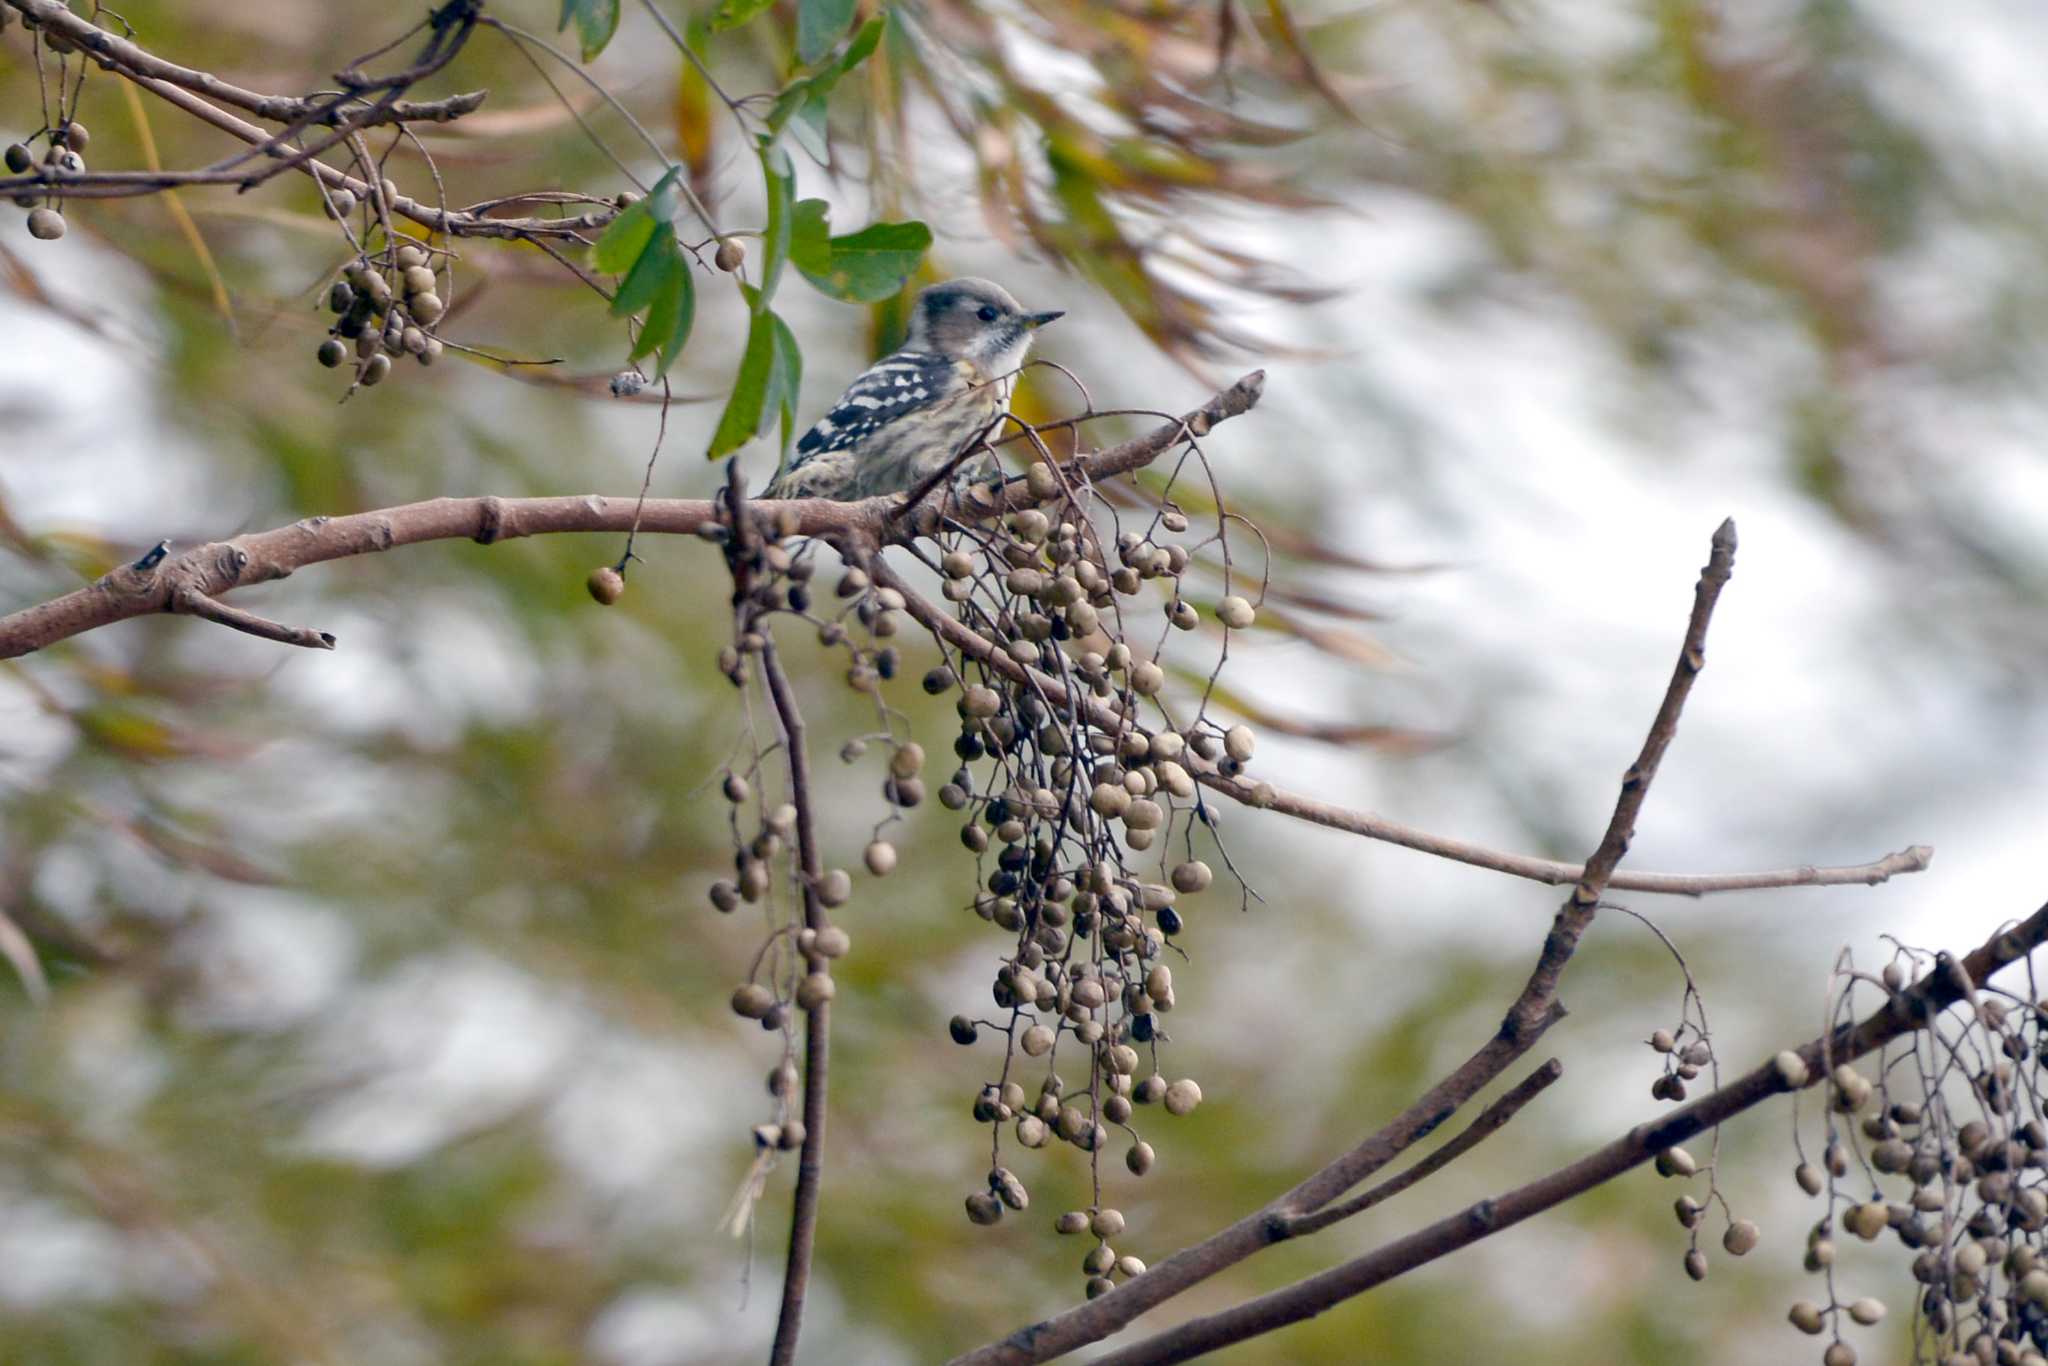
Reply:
x=624, y=239
x=741, y=421
x=732, y=13
x=669, y=318
x=788, y=378
x=596, y=21
x=868, y=266
x=644, y=281
x=819, y=24
x=779, y=178
x=806, y=94
x=810, y=246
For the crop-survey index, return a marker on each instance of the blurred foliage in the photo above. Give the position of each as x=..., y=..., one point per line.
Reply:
x=387, y=1019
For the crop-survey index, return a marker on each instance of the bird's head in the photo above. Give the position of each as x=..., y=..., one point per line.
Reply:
x=973, y=320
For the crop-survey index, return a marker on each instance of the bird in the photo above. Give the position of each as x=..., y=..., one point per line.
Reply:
x=909, y=414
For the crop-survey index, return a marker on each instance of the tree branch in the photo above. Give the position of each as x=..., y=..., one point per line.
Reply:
x=117, y=184
x=126, y=57
x=1910, y=1010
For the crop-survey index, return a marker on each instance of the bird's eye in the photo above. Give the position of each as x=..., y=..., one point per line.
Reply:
x=987, y=313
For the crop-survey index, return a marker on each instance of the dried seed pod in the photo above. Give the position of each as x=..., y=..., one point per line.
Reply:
x=983, y=1208
x=835, y=888
x=1740, y=1237
x=815, y=990
x=605, y=583
x=731, y=254
x=1182, y=1096
x=833, y=942
x=1676, y=1162
x=1192, y=876
x=737, y=789
x=1009, y=1189
x=1151, y=1090
x=427, y=308
x=751, y=1000
x=1139, y=1159
x=1036, y=1041
x=1807, y=1317
x=1106, y=1223
x=375, y=369
x=1238, y=742
x=1031, y=1131
x=1838, y=1354
x=45, y=224
x=1696, y=1264
x=1809, y=1178
x=1867, y=1220
x=1073, y=1221
x=1235, y=612
x=1147, y=678
x=1688, y=1211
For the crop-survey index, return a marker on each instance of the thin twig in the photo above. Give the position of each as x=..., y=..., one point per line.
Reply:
x=1491, y=1120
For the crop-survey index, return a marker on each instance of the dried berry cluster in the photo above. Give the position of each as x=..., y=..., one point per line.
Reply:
x=375, y=320
x=1941, y=1148
x=63, y=137
x=1080, y=790
x=1084, y=819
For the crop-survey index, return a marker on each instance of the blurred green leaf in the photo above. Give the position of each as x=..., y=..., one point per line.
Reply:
x=745, y=411
x=807, y=94
x=623, y=240
x=819, y=24
x=787, y=379
x=657, y=260
x=596, y=21
x=673, y=310
x=779, y=180
x=810, y=236
x=732, y=13
x=867, y=266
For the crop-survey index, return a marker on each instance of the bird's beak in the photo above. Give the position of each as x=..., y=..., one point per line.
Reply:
x=1034, y=321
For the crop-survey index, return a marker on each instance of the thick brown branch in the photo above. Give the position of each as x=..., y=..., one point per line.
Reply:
x=1910, y=1010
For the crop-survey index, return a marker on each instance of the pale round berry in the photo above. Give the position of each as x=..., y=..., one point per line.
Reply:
x=605, y=583
x=45, y=225
x=1182, y=1097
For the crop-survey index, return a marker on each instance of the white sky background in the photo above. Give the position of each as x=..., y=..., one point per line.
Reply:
x=1543, y=645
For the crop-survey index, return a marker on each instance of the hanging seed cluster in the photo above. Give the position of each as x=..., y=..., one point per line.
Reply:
x=1937, y=1147
x=1088, y=828
x=792, y=972
x=1077, y=787
x=385, y=306
x=63, y=139
x=1686, y=1053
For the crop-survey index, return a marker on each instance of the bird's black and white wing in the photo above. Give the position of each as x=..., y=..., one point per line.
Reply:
x=895, y=385
x=892, y=388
